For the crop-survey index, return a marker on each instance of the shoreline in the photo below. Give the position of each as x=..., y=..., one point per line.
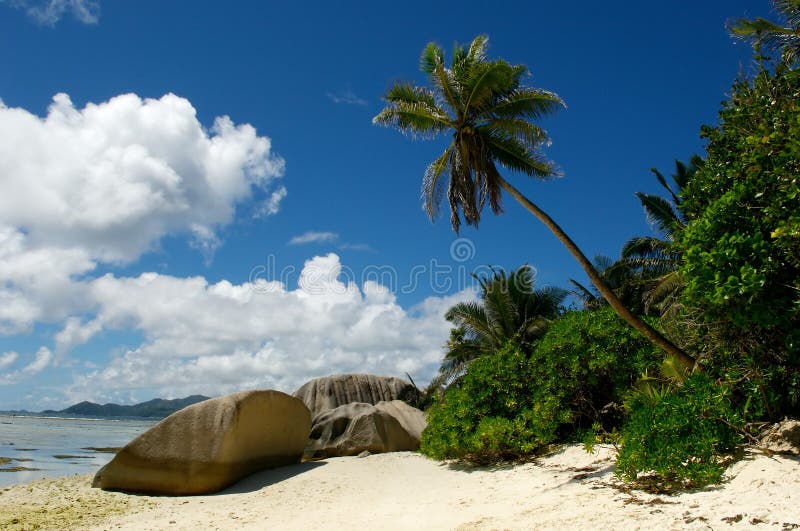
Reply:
x=405, y=490
x=147, y=420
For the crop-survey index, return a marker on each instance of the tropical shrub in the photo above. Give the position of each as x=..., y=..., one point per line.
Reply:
x=491, y=414
x=512, y=404
x=679, y=438
x=741, y=247
x=593, y=358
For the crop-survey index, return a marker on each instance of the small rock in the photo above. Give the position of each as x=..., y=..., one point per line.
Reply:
x=365, y=453
x=783, y=438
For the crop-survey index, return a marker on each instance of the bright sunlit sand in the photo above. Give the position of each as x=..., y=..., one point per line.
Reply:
x=571, y=489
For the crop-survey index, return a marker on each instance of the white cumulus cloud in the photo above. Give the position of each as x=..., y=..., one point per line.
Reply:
x=222, y=337
x=104, y=183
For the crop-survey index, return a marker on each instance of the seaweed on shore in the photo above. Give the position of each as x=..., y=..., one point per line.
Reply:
x=106, y=449
x=7, y=460
x=18, y=469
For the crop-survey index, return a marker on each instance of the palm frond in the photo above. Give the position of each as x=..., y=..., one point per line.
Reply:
x=515, y=156
x=650, y=268
x=663, y=293
x=489, y=113
x=477, y=49
x=460, y=352
x=587, y=297
x=645, y=247
x=470, y=316
x=432, y=185
x=602, y=262
x=753, y=29
x=412, y=118
x=659, y=212
x=620, y=273
x=403, y=92
x=547, y=301
x=529, y=135
x=528, y=103
x=485, y=82
x=501, y=312
x=432, y=57
x=664, y=184
x=432, y=63
x=790, y=10
x=767, y=34
x=520, y=284
x=459, y=56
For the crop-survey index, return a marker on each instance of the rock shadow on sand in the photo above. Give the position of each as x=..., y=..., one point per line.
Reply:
x=251, y=483
x=265, y=478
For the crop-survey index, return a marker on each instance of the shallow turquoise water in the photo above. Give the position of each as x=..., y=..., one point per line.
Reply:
x=41, y=439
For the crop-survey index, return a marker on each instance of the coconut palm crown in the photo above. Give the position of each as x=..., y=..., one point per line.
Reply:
x=487, y=110
x=509, y=308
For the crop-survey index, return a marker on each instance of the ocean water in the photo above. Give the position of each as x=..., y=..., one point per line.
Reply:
x=59, y=446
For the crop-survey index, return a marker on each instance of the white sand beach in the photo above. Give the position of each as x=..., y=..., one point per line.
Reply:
x=570, y=489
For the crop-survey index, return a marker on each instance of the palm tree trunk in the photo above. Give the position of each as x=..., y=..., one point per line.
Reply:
x=647, y=331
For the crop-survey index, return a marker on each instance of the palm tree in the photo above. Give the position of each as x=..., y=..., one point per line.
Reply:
x=621, y=276
x=490, y=115
x=762, y=32
x=655, y=259
x=509, y=309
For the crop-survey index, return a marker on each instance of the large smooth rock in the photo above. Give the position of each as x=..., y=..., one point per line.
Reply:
x=331, y=392
x=783, y=438
x=205, y=447
x=357, y=427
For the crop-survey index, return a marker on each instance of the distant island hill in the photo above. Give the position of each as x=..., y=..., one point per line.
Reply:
x=156, y=408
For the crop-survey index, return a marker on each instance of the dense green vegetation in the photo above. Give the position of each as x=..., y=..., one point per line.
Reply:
x=742, y=245
x=721, y=275
x=677, y=438
x=514, y=403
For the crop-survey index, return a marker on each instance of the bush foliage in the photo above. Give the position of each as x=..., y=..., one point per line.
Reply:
x=741, y=247
x=678, y=439
x=513, y=404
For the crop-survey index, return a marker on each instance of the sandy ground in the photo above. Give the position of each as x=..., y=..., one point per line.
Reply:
x=570, y=489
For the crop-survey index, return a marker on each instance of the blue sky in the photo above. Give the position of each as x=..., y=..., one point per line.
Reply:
x=137, y=238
